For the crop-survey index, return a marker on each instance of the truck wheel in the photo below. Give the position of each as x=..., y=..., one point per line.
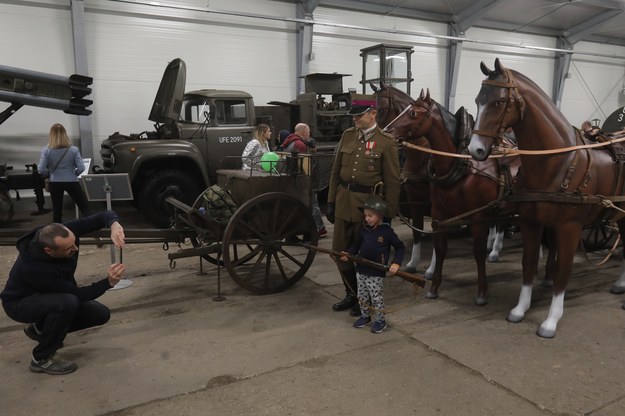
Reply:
x=163, y=184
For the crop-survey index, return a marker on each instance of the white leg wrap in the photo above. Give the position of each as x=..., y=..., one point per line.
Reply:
x=497, y=245
x=525, y=298
x=415, y=258
x=548, y=327
x=430, y=271
x=619, y=286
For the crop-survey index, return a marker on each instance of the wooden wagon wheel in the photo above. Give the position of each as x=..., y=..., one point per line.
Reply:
x=210, y=237
x=271, y=227
x=599, y=235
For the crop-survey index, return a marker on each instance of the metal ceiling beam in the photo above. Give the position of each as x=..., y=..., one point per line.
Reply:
x=365, y=6
x=583, y=30
x=474, y=13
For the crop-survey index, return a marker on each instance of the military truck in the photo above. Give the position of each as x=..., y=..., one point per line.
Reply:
x=195, y=132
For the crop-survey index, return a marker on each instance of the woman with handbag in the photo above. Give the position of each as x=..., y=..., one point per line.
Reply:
x=61, y=163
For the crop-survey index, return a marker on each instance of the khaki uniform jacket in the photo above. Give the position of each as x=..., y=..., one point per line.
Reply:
x=365, y=162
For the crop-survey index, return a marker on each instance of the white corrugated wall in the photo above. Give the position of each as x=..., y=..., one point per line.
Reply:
x=129, y=45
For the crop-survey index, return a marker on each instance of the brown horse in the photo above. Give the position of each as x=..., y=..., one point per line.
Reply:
x=458, y=186
x=415, y=195
x=560, y=190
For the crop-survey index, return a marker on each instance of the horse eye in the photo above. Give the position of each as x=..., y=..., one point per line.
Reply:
x=413, y=113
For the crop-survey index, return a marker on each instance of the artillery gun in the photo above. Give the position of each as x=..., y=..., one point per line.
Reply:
x=21, y=87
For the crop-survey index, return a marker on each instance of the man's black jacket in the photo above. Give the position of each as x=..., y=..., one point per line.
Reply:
x=35, y=271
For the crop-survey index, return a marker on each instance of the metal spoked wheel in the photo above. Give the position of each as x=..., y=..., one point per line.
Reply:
x=267, y=232
x=600, y=235
x=211, y=236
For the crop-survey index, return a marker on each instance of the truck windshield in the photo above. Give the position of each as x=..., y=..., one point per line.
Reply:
x=195, y=110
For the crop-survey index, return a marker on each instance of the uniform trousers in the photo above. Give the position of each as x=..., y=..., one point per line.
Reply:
x=345, y=232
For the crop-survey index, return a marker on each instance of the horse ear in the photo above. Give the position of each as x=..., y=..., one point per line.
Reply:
x=499, y=66
x=422, y=95
x=485, y=69
x=427, y=97
x=382, y=85
x=374, y=87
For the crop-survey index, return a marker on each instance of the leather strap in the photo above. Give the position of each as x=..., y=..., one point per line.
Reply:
x=353, y=187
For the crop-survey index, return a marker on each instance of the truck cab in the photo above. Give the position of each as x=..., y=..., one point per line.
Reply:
x=195, y=133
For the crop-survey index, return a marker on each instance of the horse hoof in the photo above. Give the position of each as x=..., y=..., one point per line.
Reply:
x=546, y=283
x=617, y=290
x=546, y=333
x=431, y=295
x=493, y=258
x=515, y=319
x=481, y=300
x=428, y=275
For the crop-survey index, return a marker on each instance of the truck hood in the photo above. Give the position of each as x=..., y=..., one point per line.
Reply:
x=168, y=101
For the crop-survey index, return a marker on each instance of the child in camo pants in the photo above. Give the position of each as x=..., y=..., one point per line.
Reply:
x=374, y=242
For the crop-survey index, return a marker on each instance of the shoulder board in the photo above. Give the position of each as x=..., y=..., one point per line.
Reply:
x=390, y=136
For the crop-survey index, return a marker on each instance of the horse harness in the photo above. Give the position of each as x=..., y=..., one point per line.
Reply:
x=563, y=196
x=460, y=166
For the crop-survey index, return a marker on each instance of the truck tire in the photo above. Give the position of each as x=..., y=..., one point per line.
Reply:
x=163, y=184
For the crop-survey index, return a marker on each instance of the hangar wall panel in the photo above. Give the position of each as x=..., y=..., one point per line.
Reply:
x=337, y=49
x=129, y=45
x=37, y=39
x=596, y=87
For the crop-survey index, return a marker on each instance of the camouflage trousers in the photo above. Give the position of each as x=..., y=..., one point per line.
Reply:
x=371, y=295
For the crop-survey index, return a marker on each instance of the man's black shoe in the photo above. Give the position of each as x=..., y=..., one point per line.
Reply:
x=354, y=310
x=348, y=301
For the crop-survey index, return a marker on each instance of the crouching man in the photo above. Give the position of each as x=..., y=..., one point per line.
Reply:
x=42, y=292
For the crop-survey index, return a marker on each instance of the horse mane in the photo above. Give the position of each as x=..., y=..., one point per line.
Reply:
x=449, y=121
x=399, y=97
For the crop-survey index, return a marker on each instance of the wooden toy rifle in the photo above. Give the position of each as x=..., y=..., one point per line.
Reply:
x=413, y=278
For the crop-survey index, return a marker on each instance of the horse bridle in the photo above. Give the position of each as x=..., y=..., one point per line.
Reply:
x=513, y=96
x=408, y=107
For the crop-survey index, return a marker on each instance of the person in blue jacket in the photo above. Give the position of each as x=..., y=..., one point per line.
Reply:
x=373, y=242
x=41, y=290
x=61, y=163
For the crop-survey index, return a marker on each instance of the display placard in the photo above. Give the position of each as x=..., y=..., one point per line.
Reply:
x=117, y=185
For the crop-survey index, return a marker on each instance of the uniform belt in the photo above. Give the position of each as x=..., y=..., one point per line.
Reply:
x=353, y=187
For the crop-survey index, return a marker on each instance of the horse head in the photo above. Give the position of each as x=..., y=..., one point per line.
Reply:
x=499, y=106
x=414, y=121
x=391, y=102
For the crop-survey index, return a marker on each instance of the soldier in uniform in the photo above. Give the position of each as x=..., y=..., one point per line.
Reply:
x=366, y=162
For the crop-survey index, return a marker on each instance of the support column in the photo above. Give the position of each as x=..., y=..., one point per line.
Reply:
x=81, y=67
x=562, y=65
x=452, y=69
x=303, y=49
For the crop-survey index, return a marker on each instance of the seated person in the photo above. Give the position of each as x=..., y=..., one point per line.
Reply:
x=256, y=147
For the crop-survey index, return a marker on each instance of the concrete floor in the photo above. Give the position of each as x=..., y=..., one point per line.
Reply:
x=170, y=349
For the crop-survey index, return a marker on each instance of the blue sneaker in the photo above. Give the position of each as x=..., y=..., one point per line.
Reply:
x=378, y=326
x=362, y=321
